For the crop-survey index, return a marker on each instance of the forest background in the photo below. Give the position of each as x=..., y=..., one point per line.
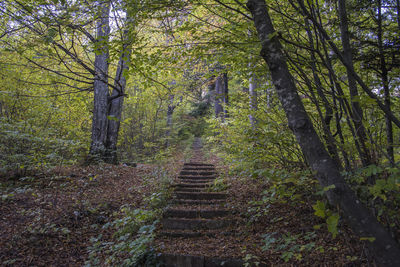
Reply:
x=126, y=81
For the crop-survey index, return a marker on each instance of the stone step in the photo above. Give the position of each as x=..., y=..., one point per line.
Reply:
x=184, y=234
x=198, y=168
x=198, y=202
x=192, y=185
x=174, y=260
x=197, y=177
x=197, y=181
x=206, y=214
x=200, y=195
x=197, y=207
x=198, y=164
x=192, y=234
x=190, y=189
x=194, y=224
x=198, y=173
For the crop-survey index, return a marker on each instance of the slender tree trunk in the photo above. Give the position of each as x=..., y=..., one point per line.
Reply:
x=170, y=112
x=99, y=123
x=252, y=91
x=333, y=83
x=357, y=215
x=343, y=103
x=210, y=91
x=398, y=13
x=253, y=99
x=117, y=97
x=349, y=68
x=219, y=97
x=225, y=94
x=385, y=83
x=331, y=143
x=356, y=108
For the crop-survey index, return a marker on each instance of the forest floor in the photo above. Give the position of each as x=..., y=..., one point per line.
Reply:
x=48, y=220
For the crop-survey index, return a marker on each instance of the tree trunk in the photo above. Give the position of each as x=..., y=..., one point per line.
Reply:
x=355, y=106
x=99, y=123
x=343, y=106
x=326, y=121
x=349, y=68
x=385, y=83
x=225, y=94
x=253, y=99
x=117, y=97
x=170, y=112
x=210, y=91
x=398, y=13
x=358, y=216
x=219, y=97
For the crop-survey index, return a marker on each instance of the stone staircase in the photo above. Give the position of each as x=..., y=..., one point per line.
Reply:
x=194, y=211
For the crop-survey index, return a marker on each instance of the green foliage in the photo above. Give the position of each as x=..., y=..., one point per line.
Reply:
x=320, y=209
x=134, y=231
x=290, y=245
x=25, y=148
x=251, y=260
x=332, y=219
x=384, y=188
x=332, y=223
x=383, y=194
x=46, y=123
x=218, y=185
x=286, y=187
x=250, y=150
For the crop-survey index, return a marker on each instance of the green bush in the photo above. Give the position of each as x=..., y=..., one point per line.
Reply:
x=25, y=148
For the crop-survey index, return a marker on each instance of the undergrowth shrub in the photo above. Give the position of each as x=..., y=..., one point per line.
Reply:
x=25, y=148
x=382, y=196
x=134, y=231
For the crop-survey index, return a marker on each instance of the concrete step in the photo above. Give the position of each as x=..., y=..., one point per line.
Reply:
x=194, y=224
x=198, y=168
x=206, y=214
x=174, y=260
x=192, y=234
x=197, y=181
x=198, y=164
x=192, y=185
x=197, y=177
x=198, y=202
x=198, y=173
x=200, y=195
x=191, y=189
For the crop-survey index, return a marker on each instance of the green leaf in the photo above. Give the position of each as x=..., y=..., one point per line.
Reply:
x=112, y=118
x=329, y=187
x=317, y=226
x=272, y=35
x=320, y=209
x=332, y=222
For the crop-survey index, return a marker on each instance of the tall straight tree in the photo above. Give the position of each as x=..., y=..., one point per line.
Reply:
x=357, y=113
x=328, y=174
x=117, y=96
x=384, y=73
x=219, y=97
x=100, y=109
x=253, y=85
